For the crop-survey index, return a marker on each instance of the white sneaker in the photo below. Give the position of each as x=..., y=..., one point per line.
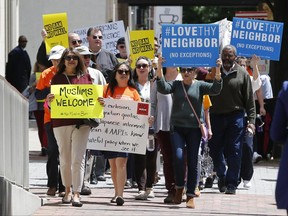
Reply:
x=141, y=195
x=247, y=184
x=256, y=157
x=150, y=193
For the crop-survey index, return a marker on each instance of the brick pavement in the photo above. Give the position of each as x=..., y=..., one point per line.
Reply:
x=259, y=200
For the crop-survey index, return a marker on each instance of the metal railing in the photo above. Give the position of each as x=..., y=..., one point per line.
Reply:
x=14, y=136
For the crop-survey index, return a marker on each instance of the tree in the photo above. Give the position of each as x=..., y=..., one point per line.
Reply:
x=209, y=14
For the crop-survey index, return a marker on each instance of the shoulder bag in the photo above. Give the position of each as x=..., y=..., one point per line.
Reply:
x=201, y=125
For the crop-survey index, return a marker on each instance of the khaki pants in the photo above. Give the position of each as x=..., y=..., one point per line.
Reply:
x=72, y=143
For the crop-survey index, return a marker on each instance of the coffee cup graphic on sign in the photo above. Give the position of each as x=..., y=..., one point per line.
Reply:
x=168, y=18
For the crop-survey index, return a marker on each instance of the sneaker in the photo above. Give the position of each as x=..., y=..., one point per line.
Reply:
x=85, y=191
x=230, y=189
x=128, y=183
x=51, y=191
x=108, y=171
x=209, y=181
x=201, y=185
x=101, y=178
x=150, y=193
x=94, y=181
x=134, y=184
x=247, y=184
x=221, y=185
x=141, y=195
x=256, y=157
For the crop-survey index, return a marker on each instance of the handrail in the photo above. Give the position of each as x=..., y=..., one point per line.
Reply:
x=14, y=131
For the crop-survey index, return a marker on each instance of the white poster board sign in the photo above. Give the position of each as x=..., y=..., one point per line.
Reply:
x=111, y=33
x=166, y=15
x=124, y=127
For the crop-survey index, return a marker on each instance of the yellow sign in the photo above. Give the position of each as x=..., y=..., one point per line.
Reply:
x=38, y=74
x=141, y=44
x=76, y=101
x=56, y=26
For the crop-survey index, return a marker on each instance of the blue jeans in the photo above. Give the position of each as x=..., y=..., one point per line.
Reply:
x=247, y=169
x=188, y=138
x=226, y=142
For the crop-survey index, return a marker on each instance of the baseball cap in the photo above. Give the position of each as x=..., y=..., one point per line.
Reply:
x=120, y=41
x=56, y=52
x=83, y=50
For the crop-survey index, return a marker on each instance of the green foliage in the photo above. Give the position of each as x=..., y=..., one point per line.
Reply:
x=209, y=14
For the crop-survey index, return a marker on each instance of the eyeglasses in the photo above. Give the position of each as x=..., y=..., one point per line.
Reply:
x=119, y=71
x=86, y=56
x=122, y=46
x=97, y=36
x=141, y=65
x=68, y=58
x=74, y=42
x=189, y=70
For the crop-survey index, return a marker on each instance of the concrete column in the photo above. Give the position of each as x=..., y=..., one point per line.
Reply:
x=9, y=26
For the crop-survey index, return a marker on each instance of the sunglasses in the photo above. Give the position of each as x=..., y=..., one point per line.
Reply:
x=122, y=46
x=86, y=56
x=97, y=36
x=141, y=65
x=119, y=71
x=188, y=70
x=74, y=42
x=68, y=58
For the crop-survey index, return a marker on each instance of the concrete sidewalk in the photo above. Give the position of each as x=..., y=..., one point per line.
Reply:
x=259, y=200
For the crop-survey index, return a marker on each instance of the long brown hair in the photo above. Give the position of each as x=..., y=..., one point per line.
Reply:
x=80, y=68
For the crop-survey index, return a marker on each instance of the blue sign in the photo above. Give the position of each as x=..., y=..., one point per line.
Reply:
x=259, y=37
x=190, y=45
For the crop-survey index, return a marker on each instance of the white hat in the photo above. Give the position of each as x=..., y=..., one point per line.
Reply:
x=56, y=52
x=83, y=50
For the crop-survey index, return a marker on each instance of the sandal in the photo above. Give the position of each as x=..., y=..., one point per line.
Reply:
x=67, y=199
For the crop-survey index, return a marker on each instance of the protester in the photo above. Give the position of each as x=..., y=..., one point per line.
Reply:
x=36, y=107
x=74, y=40
x=42, y=57
x=98, y=79
x=161, y=106
x=246, y=172
x=121, y=86
x=121, y=47
x=42, y=90
x=145, y=165
x=105, y=61
x=228, y=122
x=185, y=131
x=102, y=59
x=279, y=134
x=71, y=134
x=18, y=67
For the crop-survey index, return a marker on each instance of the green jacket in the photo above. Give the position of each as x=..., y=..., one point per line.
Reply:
x=182, y=114
x=236, y=94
